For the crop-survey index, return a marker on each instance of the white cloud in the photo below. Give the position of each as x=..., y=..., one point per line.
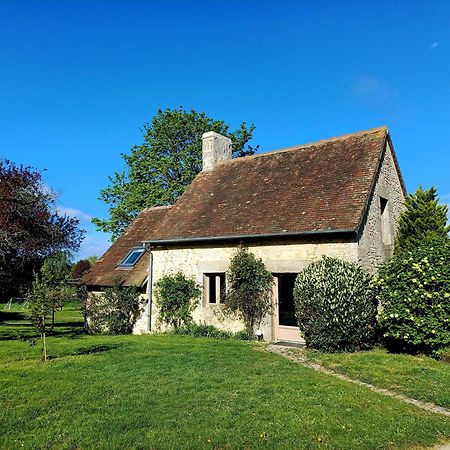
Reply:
x=434, y=46
x=365, y=86
x=93, y=244
x=374, y=91
x=73, y=212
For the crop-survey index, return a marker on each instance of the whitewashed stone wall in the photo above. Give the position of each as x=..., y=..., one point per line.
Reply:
x=371, y=249
x=278, y=257
x=141, y=325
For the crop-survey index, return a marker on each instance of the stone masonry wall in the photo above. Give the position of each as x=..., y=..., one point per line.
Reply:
x=371, y=249
x=278, y=257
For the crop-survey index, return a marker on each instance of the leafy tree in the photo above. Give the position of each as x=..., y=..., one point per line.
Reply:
x=40, y=308
x=57, y=266
x=30, y=227
x=249, y=289
x=92, y=259
x=335, y=306
x=176, y=297
x=44, y=296
x=56, y=271
x=159, y=170
x=80, y=268
x=414, y=292
x=423, y=219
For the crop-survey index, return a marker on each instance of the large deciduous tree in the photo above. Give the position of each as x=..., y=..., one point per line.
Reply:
x=30, y=227
x=423, y=219
x=160, y=169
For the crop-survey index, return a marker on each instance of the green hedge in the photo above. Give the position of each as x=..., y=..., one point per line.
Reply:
x=414, y=293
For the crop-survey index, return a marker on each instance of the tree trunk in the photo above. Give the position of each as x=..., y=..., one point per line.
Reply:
x=44, y=347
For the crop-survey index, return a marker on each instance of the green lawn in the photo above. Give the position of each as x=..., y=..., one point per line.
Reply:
x=14, y=323
x=182, y=392
x=419, y=377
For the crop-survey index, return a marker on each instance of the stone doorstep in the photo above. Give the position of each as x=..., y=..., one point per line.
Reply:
x=289, y=344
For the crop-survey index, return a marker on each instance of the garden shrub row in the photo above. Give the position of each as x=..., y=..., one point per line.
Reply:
x=210, y=331
x=337, y=302
x=339, y=306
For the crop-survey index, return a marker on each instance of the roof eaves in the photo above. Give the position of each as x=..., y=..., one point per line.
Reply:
x=291, y=234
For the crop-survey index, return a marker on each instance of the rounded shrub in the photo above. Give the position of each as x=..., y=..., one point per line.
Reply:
x=414, y=293
x=335, y=306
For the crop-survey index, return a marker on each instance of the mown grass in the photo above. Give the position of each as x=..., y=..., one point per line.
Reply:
x=14, y=323
x=167, y=391
x=419, y=377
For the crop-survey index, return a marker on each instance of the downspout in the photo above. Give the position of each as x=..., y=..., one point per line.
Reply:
x=148, y=249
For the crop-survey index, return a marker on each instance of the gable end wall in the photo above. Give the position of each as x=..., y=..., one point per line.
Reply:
x=371, y=250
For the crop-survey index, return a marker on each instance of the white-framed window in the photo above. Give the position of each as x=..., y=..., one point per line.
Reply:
x=214, y=288
x=131, y=258
x=386, y=235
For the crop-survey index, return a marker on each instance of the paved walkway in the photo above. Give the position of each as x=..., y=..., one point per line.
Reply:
x=297, y=358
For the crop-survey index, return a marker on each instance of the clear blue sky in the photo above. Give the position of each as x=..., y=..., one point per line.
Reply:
x=79, y=78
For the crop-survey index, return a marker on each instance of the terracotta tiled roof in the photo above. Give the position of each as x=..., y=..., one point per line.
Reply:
x=321, y=187
x=318, y=187
x=105, y=272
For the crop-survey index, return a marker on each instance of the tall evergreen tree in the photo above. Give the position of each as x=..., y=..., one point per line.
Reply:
x=159, y=170
x=424, y=218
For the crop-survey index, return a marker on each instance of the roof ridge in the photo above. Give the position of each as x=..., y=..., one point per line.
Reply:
x=308, y=144
x=153, y=208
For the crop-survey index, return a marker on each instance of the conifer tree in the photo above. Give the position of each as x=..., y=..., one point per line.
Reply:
x=423, y=219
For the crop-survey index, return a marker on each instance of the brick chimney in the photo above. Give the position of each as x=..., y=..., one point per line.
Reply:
x=215, y=148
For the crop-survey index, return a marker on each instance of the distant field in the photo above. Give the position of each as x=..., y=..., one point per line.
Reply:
x=167, y=391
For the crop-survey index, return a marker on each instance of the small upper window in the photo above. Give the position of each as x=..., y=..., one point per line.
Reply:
x=132, y=257
x=386, y=236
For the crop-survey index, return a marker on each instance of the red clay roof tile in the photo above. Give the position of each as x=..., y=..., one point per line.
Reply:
x=105, y=272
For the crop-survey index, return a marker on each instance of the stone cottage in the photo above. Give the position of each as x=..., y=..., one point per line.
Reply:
x=339, y=197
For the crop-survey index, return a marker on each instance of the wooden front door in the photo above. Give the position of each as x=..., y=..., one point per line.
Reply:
x=285, y=322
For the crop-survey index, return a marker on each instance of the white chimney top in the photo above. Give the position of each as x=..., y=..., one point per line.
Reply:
x=215, y=148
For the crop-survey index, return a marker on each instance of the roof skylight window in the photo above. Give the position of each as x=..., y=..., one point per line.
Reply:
x=132, y=258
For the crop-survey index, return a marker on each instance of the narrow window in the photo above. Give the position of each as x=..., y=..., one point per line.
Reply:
x=131, y=258
x=214, y=287
x=385, y=222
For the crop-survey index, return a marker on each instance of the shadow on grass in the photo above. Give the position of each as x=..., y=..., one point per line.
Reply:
x=93, y=349
x=12, y=316
x=25, y=330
